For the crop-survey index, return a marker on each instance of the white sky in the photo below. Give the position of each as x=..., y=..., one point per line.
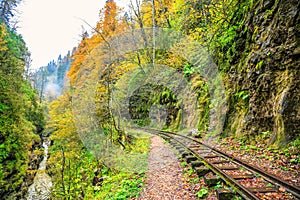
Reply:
x=52, y=27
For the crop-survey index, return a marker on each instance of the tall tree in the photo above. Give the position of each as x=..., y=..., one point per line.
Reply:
x=7, y=9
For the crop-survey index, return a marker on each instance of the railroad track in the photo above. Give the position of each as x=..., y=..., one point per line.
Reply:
x=242, y=179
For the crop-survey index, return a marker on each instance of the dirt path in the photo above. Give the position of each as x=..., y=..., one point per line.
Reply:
x=165, y=178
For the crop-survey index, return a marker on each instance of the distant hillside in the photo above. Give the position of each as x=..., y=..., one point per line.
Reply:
x=49, y=80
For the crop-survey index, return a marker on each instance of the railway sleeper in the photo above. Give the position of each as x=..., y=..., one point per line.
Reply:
x=196, y=163
x=202, y=170
x=228, y=167
x=245, y=176
x=190, y=158
x=195, y=146
x=225, y=194
x=165, y=138
x=178, y=147
x=263, y=190
x=200, y=150
x=173, y=143
x=185, y=154
x=211, y=179
x=181, y=150
x=211, y=156
x=203, y=151
x=220, y=162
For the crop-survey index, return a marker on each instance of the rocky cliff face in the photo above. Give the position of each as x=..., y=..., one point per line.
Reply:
x=265, y=75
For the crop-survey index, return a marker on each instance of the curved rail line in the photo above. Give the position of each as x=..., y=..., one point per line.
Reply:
x=223, y=164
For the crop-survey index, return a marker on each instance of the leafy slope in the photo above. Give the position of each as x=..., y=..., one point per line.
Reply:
x=21, y=115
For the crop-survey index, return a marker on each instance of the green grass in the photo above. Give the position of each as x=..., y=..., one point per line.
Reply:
x=118, y=181
x=124, y=185
x=120, y=185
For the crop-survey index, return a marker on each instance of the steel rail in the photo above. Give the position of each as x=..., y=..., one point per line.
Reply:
x=243, y=191
x=271, y=178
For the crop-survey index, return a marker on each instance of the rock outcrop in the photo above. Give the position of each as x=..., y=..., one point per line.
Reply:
x=265, y=74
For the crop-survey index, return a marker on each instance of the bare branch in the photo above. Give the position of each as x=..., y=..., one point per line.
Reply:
x=97, y=31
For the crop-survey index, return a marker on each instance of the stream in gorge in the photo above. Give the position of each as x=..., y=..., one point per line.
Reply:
x=42, y=184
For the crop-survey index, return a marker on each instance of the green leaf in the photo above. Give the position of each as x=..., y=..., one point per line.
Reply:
x=202, y=192
x=293, y=160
